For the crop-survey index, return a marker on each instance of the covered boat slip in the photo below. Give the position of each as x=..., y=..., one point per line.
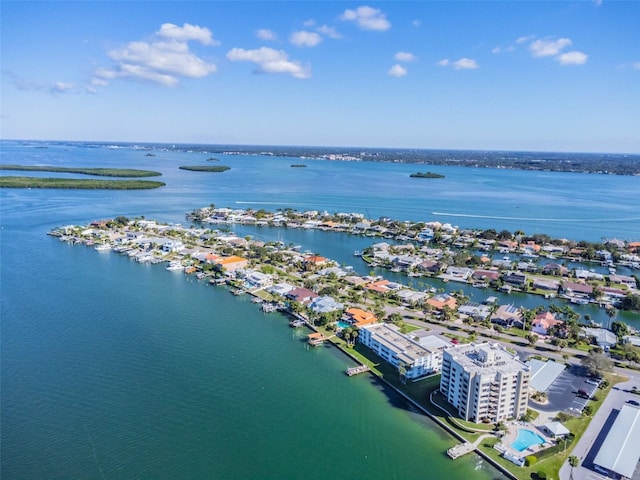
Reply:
x=620, y=452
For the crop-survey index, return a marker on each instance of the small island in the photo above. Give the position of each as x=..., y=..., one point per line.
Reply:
x=426, y=175
x=77, y=184
x=212, y=159
x=298, y=165
x=204, y=168
x=102, y=172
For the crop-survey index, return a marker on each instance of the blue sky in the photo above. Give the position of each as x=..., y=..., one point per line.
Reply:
x=515, y=75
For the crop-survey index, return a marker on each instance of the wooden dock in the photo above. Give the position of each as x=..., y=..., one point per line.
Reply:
x=351, y=371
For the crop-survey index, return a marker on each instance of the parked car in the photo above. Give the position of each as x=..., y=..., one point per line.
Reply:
x=583, y=393
x=593, y=381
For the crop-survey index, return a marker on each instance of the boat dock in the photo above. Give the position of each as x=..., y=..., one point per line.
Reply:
x=351, y=371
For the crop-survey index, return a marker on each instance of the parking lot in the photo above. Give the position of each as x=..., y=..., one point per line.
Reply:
x=562, y=395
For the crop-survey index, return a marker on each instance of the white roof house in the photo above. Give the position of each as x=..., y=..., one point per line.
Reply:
x=325, y=304
x=620, y=453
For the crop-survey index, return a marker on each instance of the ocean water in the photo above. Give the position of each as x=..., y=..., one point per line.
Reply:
x=112, y=369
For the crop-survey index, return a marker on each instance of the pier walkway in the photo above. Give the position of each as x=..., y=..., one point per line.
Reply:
x=464, y=448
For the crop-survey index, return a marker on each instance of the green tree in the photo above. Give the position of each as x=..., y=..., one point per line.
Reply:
x=573, y=463
x=597, y=363
x=620, y=329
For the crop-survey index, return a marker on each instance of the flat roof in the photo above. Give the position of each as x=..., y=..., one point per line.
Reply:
x=543, y=374
x=619, y=452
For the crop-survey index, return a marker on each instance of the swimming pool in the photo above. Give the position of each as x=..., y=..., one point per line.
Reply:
x=525, y=439
x=342, y=324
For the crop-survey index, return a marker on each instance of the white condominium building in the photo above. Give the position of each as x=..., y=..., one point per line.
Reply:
x=484, y=382
x=401, y=351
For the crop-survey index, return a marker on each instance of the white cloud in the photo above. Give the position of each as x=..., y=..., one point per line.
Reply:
x=416, y=23
x=597, y=3
x=498, y=49
x=367, y=18
x=266, y=34
x=164, y=60
x=309, y=23
x=397, y=71
x=572, y=58
x=62, y=87
x=465, y=64
x=405, y=57
x=186, y=33
x=302, y=38
x=635, y=65
x=547, y=47
x=270, y=61
x=525, y=39
x=330, y=32
x=462, y=64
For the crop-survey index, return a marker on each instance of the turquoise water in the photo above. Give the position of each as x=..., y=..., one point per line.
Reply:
x=525, y=439
x=112, y=369
x=342, y=324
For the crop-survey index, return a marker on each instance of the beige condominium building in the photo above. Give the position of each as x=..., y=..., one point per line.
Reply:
x=484, y=382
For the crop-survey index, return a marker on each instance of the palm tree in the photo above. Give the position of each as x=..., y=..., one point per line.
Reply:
x=573, y=462
x=611, y=313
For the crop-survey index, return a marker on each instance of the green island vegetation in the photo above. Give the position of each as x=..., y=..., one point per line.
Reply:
x=205, y=168
x=426, y=175
x=75, y=183
x=213, y=159
x=102, y=172
x=298, y=165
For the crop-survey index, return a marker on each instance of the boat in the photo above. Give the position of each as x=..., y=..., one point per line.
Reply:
x=268, y=307
x=579, y=301
x=357, y=253
x=103, y=247
x=175, y=265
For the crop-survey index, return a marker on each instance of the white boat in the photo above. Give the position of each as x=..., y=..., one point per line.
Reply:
x=175, y=265
x=103, y=247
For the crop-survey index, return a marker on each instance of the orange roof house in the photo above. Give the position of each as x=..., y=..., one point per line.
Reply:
x=314, y=260
x=440, y=301
x=358, y=317
x=543, y=322
x=232, y=263
x=379, y=286
x=212, y=258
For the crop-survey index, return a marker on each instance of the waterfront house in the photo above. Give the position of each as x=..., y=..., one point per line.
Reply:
x=555, y=269
x=516, y=279
x=413, y=360
x=411, y=297
x=576, y=289
x=544, y=322
x=301, y=295
x=358, y=317
x=439, y=302
x=430, y=266
x=485, y=275
x=380, y=286
x=172, y=246
x=281, y=289
x=232, y=263
x=508, y=316
x=623, y=280
x=255, y=279
x=324, y=304
x=545, y=284
x=582, y=274
x=314, y=261
x=601, y=336
x=476, y=311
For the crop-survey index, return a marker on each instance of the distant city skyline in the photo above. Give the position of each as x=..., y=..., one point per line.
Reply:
x=528, y=76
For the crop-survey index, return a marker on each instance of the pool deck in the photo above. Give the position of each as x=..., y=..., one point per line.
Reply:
x=512, y=433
